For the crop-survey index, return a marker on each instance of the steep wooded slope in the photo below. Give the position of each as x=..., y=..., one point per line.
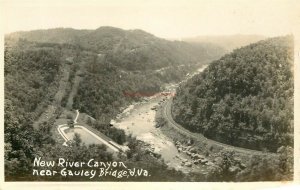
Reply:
x=244, y=99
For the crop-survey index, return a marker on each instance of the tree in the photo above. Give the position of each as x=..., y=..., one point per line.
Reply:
x=71, y=123
x=77, y=139
x=160, y=122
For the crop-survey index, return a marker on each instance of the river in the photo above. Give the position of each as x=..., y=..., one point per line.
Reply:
x=139, y=120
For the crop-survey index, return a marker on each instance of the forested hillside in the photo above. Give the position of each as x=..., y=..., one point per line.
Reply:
x=129, y=49
x=29, y=72
x=110, y=62
x=31, y=75
x=115, y=62
x=57, y=35
x=244, y=99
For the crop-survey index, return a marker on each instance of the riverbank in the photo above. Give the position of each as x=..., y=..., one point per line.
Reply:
x=139, y=120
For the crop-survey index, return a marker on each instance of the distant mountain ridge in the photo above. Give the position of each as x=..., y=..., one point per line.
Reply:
x=228, y=42
x=64, y=35
x=56, y=35
x=130, y=49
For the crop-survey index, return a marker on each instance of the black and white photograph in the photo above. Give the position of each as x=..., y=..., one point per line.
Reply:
x=149, y=91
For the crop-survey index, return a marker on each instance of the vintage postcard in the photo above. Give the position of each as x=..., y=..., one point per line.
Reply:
x=121, y=94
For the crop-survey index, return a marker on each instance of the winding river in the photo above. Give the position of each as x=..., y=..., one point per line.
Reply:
x=139, y=120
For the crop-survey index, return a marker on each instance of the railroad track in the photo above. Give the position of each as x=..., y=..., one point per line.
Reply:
x=167, y=114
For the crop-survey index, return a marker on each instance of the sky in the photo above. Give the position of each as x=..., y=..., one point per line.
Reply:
x=163, y=18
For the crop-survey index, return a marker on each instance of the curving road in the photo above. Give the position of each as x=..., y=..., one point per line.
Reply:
x=62, y=127
x=168, y=116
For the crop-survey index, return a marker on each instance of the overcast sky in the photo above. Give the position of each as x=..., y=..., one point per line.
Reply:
x=163, y=18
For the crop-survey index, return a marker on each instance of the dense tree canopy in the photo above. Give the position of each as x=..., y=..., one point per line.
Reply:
x=30, y=81
x=129, y=49
x=244, y=99
x=111, y=62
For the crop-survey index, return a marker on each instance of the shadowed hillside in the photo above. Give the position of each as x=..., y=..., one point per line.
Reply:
x=244, y=99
